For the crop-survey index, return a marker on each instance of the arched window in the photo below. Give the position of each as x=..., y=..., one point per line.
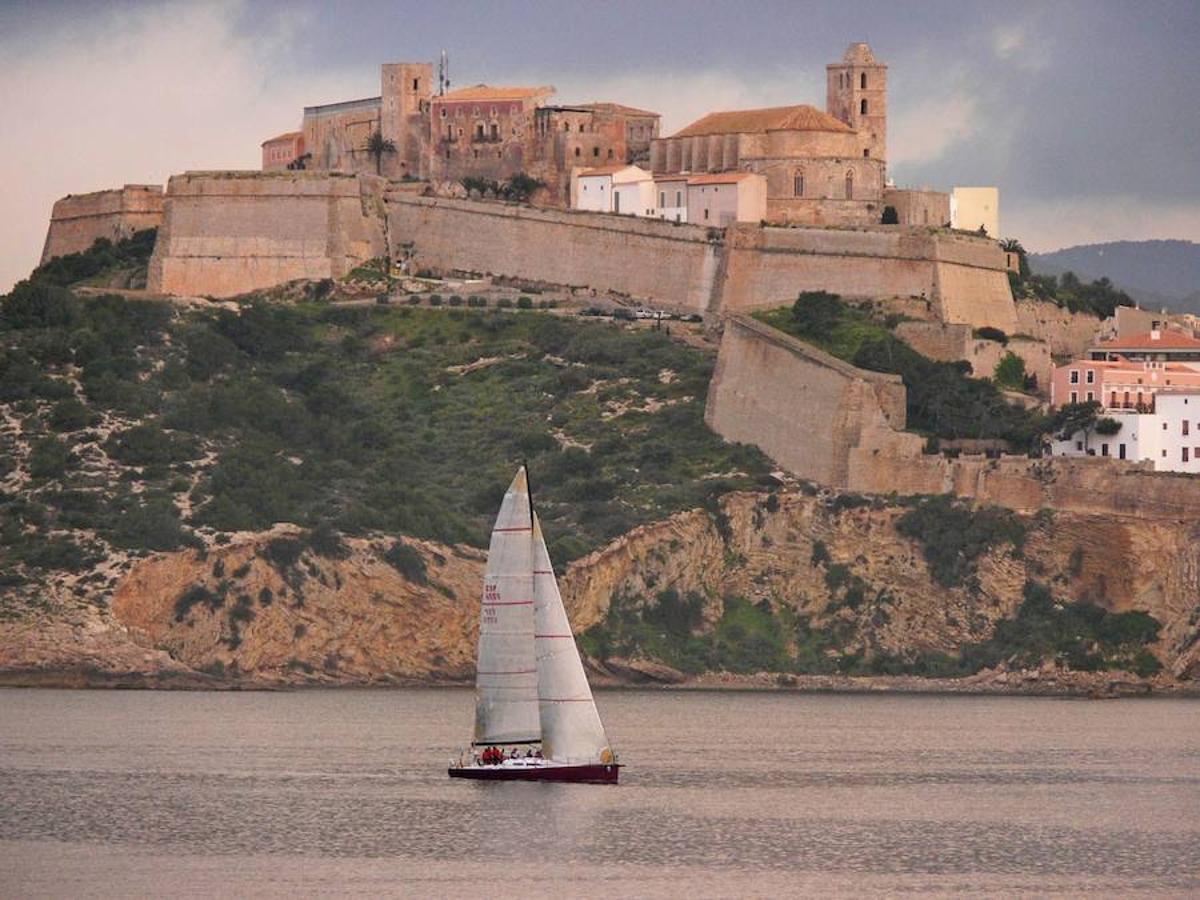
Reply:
x=798, y=183
x=576, y=151
x=863, y=106
x=566, y=126
x=849, y=185
x=862, y=81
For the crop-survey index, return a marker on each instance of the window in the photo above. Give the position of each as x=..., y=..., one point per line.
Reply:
x=1164, y=426
x=566, y=126
x=576, y=151
x=495, y=132
x=610, y=152
x=1120, y=451
x=616, y=202
x=1079, y=446
x=595, y=151
x=1104, y=449
x=1184, y=453
x=1074, y=376
x=1091, y=376
x=1185, y=426
x=1090, y=396
x=679, y=198
x=706, y=213
x=863, y=106
x=862, y=82
x=416, y=84
x=1164, y=454
x=662, y=198
x=849, y=185
x=798, y=184
x=443, y=112
x=866, y=153
x=1074, y=396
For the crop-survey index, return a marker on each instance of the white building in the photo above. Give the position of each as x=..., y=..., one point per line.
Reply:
x=672, y=197
x=726, y=197
x=973, y=207
x=1168, y=436
x=622, y=189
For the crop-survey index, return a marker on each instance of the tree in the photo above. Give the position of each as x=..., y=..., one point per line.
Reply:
x=1010, y=371
x=377, y=145
x=1072, y=418
x=1012, y=245
x=817, y=312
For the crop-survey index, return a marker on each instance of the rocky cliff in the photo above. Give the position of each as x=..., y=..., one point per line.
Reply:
x=268, y=608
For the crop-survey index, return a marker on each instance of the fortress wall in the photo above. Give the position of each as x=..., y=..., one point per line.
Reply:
x=77, y=220
x=673, y=264
x=1068, y=334
x=804, y=408
x=964, y=276
x=948, y=343
x=225, y=233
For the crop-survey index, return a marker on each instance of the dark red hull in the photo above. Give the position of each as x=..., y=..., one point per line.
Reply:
x=595, y=774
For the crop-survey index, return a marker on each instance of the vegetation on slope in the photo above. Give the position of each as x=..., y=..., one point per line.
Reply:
x=1099, y=297
x=943, y=400
x=136, y=424
x=101, y=259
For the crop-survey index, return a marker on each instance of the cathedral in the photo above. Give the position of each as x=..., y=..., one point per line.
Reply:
x=820, y=167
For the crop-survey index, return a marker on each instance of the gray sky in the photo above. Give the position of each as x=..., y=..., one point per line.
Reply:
x=1083, y=113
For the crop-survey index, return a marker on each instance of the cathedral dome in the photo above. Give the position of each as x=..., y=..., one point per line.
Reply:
x=859, y=54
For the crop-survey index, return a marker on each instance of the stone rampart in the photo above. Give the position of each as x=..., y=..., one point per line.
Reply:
x=78, y=220
x=226, y=233
x=963, y=277
x=675, y=265
x=801, y=406
x=948, y=343
x=1068, y=334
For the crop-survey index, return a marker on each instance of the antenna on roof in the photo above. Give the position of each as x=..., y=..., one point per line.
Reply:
x=443, y=74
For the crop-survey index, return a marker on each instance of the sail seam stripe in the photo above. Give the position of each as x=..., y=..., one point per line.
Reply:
x=553, y=635
x=564, y=699
x=522, y=528
x=508, y=603
x=508, y=672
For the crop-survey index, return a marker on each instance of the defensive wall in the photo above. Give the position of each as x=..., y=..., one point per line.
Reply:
x=841, y=426
x=804, y=408
x=226, y=233
x=77, y=220
x=676, y=265
x=947, y=343
x=1068, y=334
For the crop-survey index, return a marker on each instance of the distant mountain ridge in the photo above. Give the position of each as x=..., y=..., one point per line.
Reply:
x=1155, y=273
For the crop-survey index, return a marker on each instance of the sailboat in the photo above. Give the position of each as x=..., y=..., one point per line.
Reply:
x=535, y=718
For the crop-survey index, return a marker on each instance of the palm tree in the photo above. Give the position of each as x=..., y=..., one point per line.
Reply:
x=377, y=145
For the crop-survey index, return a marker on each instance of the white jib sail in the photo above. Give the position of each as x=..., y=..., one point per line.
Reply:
x=571, y=729
x=506, y=700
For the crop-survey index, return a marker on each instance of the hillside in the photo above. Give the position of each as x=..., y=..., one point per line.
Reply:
x=272, y=492
x=1154, y=273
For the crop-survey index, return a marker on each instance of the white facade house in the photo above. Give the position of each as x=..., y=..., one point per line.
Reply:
x=726, y=197
x=622, y=189
x=672, y=197
x=1168, y=437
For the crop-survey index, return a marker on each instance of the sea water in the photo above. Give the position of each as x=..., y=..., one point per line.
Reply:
x=344, y=791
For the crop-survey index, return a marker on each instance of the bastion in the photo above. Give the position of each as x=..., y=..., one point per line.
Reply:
x=226, y=233
x=78, y=220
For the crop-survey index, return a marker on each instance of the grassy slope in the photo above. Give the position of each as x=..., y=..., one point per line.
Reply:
x=354, y=416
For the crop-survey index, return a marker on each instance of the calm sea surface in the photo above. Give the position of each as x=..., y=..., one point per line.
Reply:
x=725, y=794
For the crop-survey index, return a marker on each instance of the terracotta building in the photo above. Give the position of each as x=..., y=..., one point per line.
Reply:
x=282, y=151
x=821, y=167
x=482, y=131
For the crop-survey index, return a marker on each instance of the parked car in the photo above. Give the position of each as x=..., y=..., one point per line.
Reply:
x=643, y=312
x=693, y=317
x=625, y=315
x=591, y=311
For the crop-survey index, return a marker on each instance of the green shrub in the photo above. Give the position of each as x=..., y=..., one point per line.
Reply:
x=953, y=536
x=456, y=300
x=49, y=458
x=326, y=541
x=435, y=299
x=407, y=561
x=71, y=415
x=1010, y=372
x=988, y=333
x=890, y=216
x=504, y=303
x=524, y=303
x=193, y=596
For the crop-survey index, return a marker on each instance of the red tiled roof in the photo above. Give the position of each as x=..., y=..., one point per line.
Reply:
x=604, y=170
x=1166, y=340
x=721, y=178
x=486, y=92
x=286, y=136
x=758, y=121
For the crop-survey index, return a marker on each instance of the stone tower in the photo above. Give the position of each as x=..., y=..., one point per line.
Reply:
x=404, y=116
x=857, y=94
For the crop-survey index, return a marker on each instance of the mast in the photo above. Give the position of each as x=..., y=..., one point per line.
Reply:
x=506, y=700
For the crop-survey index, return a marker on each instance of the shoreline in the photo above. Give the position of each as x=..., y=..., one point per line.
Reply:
x=1071, y=685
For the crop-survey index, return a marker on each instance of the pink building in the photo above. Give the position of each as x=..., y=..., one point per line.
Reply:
x=282, y=150
x=1126, y=373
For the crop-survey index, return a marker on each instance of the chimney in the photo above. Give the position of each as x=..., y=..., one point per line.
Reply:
x=1155, y=334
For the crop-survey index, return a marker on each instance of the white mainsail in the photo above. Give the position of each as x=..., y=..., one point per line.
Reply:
x=506, y=695
x=571, y=729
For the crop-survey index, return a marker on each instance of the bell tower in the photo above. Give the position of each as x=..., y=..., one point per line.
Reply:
x=857, y=95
